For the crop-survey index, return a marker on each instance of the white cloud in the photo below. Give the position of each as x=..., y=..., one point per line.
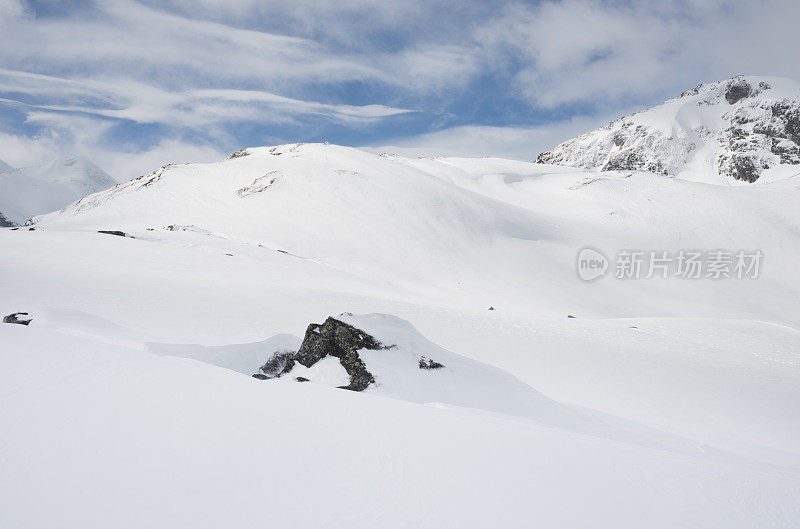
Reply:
x=144, y=103
x=519, y=143
x=64, y=135
x=198, y=68
x=11, y=11
x=576, y=51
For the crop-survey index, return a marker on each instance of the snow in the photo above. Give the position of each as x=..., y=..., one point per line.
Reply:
x=4, y=167
x=328, y=372
x=31, y=191
x=689, y=136
x=128, y=400
x=101, y=430
x=244, y=358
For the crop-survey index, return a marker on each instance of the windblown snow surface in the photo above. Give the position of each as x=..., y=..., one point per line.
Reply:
x=128, y=400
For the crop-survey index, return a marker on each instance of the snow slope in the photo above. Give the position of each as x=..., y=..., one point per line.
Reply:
x=665, y=403
x=463, y=232
x=103, y=435
x=739, y=130
x=41, y=189
x=4, y=167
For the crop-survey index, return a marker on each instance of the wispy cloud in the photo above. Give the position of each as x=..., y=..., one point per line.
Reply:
x=126, y=76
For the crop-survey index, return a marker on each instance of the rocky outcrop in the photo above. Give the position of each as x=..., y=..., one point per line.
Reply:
x=760, y=130
x=20, y=318
x=428, y=363
x=737, y=89
x=759, y=138
x=331, y=338
x=336, y=338
x=4, y=222
x=279, y=363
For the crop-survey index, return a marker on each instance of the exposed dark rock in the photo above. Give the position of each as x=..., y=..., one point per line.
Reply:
x=301, y=379
x=427, y=363
x=570, y=316
x=239, y=154
x=491, y=308
x=149, y=179
x=343, y=341
x=334, y=338
x=259, y=184
x=279, y=363
x=744, y=169
x=760, y=133
x=20, y=318
x=692, y=92
x=4, y=222
x=115, y=232
x=737, y=90
x=629, y=160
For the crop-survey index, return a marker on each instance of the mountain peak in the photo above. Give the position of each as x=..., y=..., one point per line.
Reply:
x=736, y=130
x=39, y=189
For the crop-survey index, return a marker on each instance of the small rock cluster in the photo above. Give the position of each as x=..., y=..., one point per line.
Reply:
x=20, y=318
x=427, y=363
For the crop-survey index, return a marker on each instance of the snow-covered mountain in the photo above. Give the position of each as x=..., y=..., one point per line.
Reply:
x=31, y=191
x=4, y=167
x=660, y=403
x=462, y=230
x=739, y=130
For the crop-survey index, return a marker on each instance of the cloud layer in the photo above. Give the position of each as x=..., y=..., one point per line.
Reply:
x=125, y=81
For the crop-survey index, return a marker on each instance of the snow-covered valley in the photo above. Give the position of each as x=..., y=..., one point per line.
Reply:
x=128, y=399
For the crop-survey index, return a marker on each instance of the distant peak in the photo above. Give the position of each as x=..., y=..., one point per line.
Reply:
x=723, y=132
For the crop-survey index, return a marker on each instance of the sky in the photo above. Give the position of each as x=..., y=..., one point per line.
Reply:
x=134, y=85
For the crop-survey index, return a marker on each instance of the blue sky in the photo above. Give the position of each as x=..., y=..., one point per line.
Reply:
x=136, y=84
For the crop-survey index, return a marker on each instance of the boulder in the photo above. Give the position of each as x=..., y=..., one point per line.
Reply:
x=331, y=338
x=336, y=338
x=279, y=363
x=427, y=363
x=737, y=90
x=20, y=318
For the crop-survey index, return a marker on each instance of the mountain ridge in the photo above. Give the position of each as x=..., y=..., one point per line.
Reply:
x=29, y=191
x=733, y=131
